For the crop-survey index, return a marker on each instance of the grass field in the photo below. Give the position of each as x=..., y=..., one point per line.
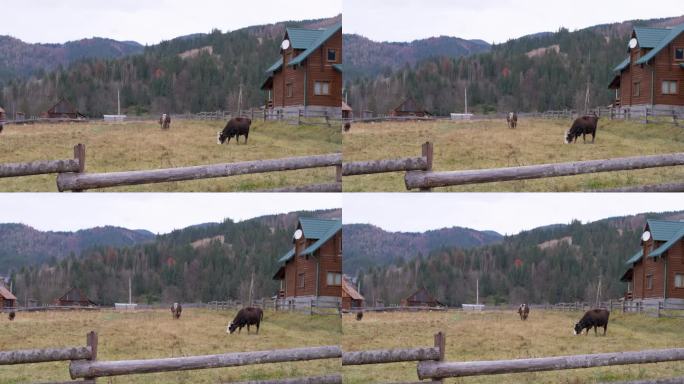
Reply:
x=143, y=145
x=502, y=335
x=484, y=144
x=154, y=334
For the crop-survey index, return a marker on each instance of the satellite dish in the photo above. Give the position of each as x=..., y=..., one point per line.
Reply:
x=298, y=233
x=285, y=44
x=646, y=236
x=633, y=43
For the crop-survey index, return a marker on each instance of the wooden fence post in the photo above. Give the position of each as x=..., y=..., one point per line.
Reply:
x=79, y=155
x=299, y=117
x=440, y=342
x=338, y=173
x=427, y=153
x=91, y=341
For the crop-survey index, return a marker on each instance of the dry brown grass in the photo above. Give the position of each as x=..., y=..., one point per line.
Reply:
x=501, y=335
x=490, y=143
x=143, y=145
x=154, y=334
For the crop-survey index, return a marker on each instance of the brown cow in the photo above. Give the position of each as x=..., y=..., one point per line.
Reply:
x=176, y=310
x=524, y=311
x=165, y=121
x=593, y=318
x=246, y=316
x=11, y=315
x=585, y=125
x=512, y=119
x=236, y=127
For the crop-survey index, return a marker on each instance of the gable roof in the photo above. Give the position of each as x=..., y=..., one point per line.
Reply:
x=409, y=105
x=650, y=37
x=6, y=294
x=320, y=230
x=75, y=294
x=322, y=38
x=349, y=290
x=302, y=38
x=308, y=40
x=661, y=230
x=422, y=296
x=2, y=110
x=667, y=36
x=624, y=64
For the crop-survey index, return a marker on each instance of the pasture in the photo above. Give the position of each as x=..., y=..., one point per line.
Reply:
x=112, y=147
x=154, y=334
x=481, y=144
x=494, y=335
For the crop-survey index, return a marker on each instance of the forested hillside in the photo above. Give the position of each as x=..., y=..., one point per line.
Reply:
x=213, y=261
x=558, y=263
x=544, y=71
x=201, y=72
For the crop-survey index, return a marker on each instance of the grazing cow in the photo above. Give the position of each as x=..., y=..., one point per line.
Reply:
x=359, y=316
x=524, y=311
x=593, y=318
x=585, y=125
x=246, y=316
x=512, y=119
x=1, y=127
x=165, y=121
x=11, y=315
x=176, y=310
x=347, y=126
x=236, y=127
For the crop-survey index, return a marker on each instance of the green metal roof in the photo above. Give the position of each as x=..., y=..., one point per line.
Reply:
x=276, y=66
x=672, y=241
x=663, y=230
x=320, y=230
x=635, y=258
x=338, y=67
x=302, y=38
x=670, y=34
x=322, y=38
x=650, y=37
x=624, y=64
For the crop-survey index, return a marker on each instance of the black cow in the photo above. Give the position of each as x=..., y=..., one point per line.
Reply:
x=593, y=318
x=359, y=316
x=11, y=315
x=165, y=121
x=176, y=310
x=585, y=125
x=512, y=119
x=1, y=127
x=246, y=316
x=236, y=127
x=347, y=126
x=524, y=311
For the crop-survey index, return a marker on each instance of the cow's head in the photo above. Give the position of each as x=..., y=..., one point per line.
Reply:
x=567, y=137
x=578, y=329
x=221, y=137
x=231, y=327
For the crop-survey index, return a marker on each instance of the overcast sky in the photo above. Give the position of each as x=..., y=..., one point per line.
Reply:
x=159, y=213
x=506, y=213
x=147, y=21
x=490, y=20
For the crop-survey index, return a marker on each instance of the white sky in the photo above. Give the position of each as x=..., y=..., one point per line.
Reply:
x=156, y=212
x=506, y=213
x=490, y=20
x=147, y=21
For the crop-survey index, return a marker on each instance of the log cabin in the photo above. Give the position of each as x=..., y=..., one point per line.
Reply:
x=311, y=272
x=653, y=73
x=656, y=272
x=351, y=298
x=409, y=107
x=63, y=110
x=7, y=299
x=308, y=75
x=75, y=298
x=421, y=298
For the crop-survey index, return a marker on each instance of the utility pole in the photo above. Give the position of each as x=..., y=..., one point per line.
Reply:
x=466, y=99
x=118, y=103
x=240, y=101
x=130, y=296
x=251, y=288
x=477, y=292
x=598, y=292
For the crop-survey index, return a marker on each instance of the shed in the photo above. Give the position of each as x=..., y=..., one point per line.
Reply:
x=75, y=298
x=2, y=114
x=409, y=107
x=351, y=298
x=7, y=299
x=64, y=110
x=421, y=298
x=347, y=112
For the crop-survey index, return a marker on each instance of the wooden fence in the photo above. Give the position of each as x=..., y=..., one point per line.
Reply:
x=84, y=364
x=71, y=174
x=431, y=364
x=419, y=173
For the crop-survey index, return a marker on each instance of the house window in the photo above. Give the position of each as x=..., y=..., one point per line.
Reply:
x=300, y=280
x=679, y=53
x=669, y=87
x=636, y=90
x=334, y=278
x=289, y=89
x=332, y=55
x=321, y=88
x=649, y=281
x=679, y=280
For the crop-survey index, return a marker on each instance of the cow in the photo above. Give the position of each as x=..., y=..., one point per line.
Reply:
x=236, y=127
x=524, y=311
x=512, y=119
x=1, y=127
x=585, y=125
x=11, y=315
x=359, y=316
x=165, y=121
x=176, y=310
x=593, y=318
x=347, y=126
x=246, y=316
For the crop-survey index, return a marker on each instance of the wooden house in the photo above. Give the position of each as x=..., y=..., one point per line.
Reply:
x=409, y=107
x=308, y=74
x=312, y=270
x=653, y=73
x=421, y=298
x=75, y=298
x=351, y=298
x=63, y=110
x=7, y=299
x=656, y=272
